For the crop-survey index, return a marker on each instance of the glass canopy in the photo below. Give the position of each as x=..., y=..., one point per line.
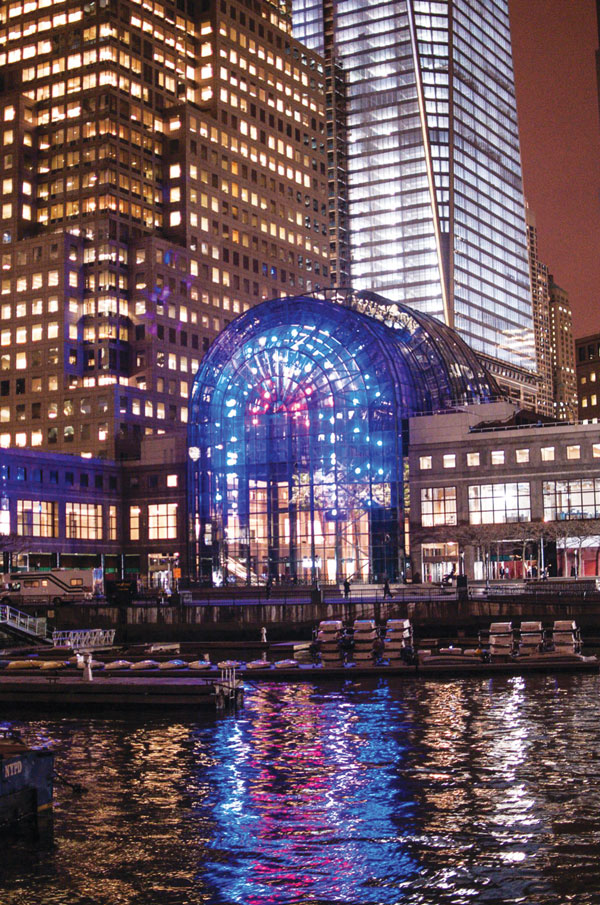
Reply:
x=296, y=436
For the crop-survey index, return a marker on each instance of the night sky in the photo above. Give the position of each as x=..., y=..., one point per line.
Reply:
x=554, y=44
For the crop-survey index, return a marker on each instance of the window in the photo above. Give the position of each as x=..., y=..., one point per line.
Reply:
x=596, y=450
x=84, y=520
x=522, y=456
x=162, y=521
x=37, y=518
x=473, y=459
x=547, y=453
x=172, y=480
x=571, y=499
x=495, y=504
x=449, y=460
x=438, y=506
x=573, y=452
x=112, y=523
x=497, y=457
x=424, y=462
x=134, y=522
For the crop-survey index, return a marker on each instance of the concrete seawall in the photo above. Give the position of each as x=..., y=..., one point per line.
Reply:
x=144, y=621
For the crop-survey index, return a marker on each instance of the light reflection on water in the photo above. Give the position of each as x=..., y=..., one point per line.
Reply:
x=368, y=792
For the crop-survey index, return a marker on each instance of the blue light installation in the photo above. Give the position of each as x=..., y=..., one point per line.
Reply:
x=296, y=436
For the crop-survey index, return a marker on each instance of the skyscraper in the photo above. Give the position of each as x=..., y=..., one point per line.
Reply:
x=563, y=354
x=163, y=168
x=540, y=293
x=435, y=200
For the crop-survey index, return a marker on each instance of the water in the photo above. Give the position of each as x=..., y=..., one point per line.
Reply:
x=474, y=790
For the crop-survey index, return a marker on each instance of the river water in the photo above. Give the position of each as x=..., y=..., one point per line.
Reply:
x=372, y=791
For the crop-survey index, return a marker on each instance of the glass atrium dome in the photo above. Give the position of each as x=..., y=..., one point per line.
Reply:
x=296, y=436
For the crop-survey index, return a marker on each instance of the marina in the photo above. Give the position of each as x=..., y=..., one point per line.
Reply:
x=177, y=675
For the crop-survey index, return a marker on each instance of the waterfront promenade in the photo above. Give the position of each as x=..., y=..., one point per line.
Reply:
x=293, y=612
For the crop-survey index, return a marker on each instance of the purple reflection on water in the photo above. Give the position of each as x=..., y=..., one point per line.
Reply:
x=309, y=803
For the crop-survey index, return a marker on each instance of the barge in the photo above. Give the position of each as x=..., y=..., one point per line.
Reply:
x=26, y=779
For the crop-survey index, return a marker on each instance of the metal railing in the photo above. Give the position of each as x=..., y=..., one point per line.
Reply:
x=81, y=639
x=291, y=594
x=33, y=626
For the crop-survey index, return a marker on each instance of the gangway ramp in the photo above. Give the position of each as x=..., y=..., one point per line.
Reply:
x=84, y=639
x=21, y=625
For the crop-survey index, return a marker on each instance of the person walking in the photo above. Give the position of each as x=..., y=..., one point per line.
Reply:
x=346, y=588
x=386, y=589
x=268, y=587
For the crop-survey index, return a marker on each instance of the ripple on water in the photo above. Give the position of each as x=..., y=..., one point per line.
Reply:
x=378, y=792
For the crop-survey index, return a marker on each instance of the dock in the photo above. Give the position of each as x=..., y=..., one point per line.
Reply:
x=211, y=688
x=109, y=691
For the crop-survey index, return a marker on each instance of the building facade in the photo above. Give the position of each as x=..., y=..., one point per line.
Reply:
x=496, y=496
x=435, y=201
x=328, y=438
x=127, y=520
x=563, y=354
x=587, y=366
x=540, y=293
x=163, y=168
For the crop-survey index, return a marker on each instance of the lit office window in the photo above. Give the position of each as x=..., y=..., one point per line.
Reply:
x=438, y=506
x=134, y=522
x=495, y=504
x=571, y=499
x=112, y=523
x=162, y=521
x=84, y=521
x=37, y=518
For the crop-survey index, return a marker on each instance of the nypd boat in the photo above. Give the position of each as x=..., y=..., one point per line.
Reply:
x=26, y=779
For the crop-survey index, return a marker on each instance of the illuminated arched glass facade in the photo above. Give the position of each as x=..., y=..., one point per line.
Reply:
x=296, y=436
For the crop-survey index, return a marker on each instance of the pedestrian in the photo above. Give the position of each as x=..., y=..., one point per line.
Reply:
x=386, y=589
x=269, y=585
x=346, y=588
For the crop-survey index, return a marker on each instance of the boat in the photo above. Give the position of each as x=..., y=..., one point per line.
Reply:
x=26, y=779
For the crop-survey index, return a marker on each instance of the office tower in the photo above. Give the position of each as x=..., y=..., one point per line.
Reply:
x=163, y=168
x=587, y=369
x=563, y=354
x=540, y=293
x=436, y=210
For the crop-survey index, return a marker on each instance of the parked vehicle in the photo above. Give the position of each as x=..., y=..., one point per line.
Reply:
x=55, y=586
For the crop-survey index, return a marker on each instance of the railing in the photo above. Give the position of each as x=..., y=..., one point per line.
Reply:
x=80, y=639
x=28, y=625
x=296, y=594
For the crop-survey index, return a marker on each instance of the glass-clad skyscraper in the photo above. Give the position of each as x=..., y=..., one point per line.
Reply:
x=435, y=194
x=296, y=436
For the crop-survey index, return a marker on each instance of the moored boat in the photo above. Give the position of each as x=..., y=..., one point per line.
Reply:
x=26, y=779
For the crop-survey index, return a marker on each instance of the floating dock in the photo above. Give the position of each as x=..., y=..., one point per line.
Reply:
x=109, y=691
x=206, y=688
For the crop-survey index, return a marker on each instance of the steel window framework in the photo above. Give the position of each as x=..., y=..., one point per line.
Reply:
x=296, y=436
